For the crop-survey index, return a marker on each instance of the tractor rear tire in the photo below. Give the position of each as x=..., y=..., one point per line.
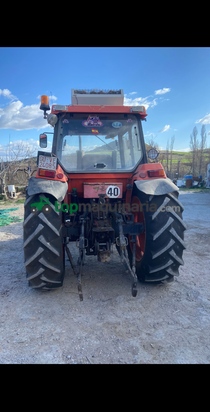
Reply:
x=44, y=252
x=160, y=247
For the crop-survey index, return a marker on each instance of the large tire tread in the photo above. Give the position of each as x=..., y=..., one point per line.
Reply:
x=164, y=238
x=43, y=245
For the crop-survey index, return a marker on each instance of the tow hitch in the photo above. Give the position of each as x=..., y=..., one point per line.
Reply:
x=124, y=228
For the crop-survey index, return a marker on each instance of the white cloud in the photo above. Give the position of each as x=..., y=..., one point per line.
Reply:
x=148, y=102
x=163, y=91
x=139, y=101
x=6, y=93
x=165, y=128
x=16, y=116
x=204, y=120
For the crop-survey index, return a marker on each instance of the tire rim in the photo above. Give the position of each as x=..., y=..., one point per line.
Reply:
x=138, y=217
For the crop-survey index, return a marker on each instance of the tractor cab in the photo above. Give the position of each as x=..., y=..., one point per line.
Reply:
x=97, y=133
x=98, y=142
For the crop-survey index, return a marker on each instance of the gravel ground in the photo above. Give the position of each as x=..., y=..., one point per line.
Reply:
x=163, y=324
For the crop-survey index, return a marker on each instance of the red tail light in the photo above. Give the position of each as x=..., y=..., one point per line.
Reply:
x=156, y=173
x=46, y=173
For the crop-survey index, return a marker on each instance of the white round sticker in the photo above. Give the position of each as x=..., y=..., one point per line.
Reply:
x=113, y=191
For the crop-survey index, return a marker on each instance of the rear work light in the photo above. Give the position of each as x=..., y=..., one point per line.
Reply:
x=52, y=119
x=139, y=109
x=60, y=107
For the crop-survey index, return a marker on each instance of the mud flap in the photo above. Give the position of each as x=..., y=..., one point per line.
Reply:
x=156, y=187
x=51, y=187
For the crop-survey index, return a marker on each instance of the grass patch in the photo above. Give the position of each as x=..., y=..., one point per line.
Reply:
x=20, y=201
x=6, y=219
x=9, y=201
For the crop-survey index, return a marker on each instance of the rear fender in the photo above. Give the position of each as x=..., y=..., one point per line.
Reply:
x=156, y=186
x=51, y=187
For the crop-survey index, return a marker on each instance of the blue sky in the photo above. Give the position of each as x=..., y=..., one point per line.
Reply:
x=172, y=82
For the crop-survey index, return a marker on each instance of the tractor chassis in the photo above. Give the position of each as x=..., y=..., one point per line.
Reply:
x=104, y=250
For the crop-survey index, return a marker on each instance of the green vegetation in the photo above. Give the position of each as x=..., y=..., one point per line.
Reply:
x=6, y=218
x=8, y=201
x=20, y=201
x=182, y=162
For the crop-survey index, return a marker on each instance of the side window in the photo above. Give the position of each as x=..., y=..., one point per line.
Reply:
x=127, y=148
x=70, y=147
x=136, y=143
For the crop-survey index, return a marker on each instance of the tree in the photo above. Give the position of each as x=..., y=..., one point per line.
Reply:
x=171, y=152
x=194, y=145
x=3, y=174
x=152, y=145
x=202, y=148
x=169, y=155
x=18, y=164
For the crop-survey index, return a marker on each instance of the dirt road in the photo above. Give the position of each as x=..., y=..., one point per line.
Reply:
x=163, y=324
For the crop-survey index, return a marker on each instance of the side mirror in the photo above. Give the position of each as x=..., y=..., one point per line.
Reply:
x=43, y=140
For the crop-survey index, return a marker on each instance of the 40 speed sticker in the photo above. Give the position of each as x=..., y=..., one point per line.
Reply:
x=113, y=191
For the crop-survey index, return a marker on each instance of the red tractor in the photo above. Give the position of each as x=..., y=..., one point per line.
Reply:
x=100, y=189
